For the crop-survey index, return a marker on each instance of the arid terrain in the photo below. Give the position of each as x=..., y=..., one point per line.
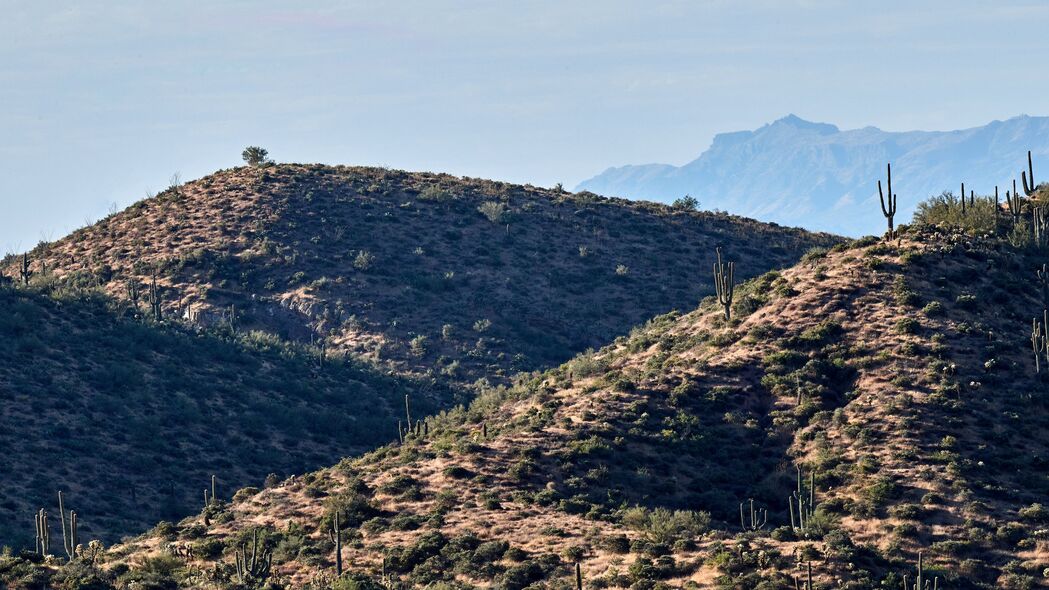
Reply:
x=279, y=351
x=897, y=378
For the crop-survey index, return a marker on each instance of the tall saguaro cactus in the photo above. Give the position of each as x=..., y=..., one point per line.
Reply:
x=1038, y=343
x=725, y=283
x=807, y=584
x=253, y=567
x=70, y=538
x=335, y=534
x=154, y=298
x=888, y=206
x=1040, y=226
x=921, y=582
x=23, y=270
x=1028, y=188
x=963, y=198
x=1016, y=204
x=758, y=517
x=802, y=505
x=43, y=534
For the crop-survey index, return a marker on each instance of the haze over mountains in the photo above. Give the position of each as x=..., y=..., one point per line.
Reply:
x=817, y=176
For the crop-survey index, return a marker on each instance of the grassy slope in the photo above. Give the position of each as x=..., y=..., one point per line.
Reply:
x=479, y=298
x=920, y=417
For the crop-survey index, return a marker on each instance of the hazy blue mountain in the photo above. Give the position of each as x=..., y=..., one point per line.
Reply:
x=814, y=175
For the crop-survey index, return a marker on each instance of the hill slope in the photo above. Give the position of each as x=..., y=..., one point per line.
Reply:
x=897, y=376
x=130, y=416
x=813, y=174
x=427, y=274
x=131, y=419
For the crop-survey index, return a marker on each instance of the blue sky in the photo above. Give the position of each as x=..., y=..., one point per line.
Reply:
x=102, y=101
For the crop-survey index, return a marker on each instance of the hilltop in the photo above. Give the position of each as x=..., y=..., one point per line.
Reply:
x=798, y=172
x=897, y=376
x=429, y=275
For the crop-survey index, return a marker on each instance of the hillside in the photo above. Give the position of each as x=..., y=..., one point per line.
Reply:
x=131, y=419
x=280, y=352
x=899, y=377
x=797, y=172
x=425, y=274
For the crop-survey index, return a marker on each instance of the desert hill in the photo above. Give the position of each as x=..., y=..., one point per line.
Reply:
x=131, y=419
x=898, y=378
x=455, y=279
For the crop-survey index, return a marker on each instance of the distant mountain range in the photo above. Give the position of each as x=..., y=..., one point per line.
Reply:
x=814, y=175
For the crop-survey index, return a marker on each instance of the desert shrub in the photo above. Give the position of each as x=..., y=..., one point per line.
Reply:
x=906, y=326
x=1035, y=513
x=457, y=472
x=493, y=211
x=244, y=493
x=352, y=507
x=364, y=260
x=945, y=209
x=665, y=526
x=616, y=544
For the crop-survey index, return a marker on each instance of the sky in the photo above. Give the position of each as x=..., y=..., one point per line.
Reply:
x=103, y=101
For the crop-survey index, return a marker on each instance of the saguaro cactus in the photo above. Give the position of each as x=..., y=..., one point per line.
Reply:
x=133, y=293
x=23, y=270
x=43, y=534
x=335, y=534
x=807, y=584
x=578, y=577
x=254, y=567
x=997, y=208
x=1029, y=175
x=1038, y=343
x=802, y=506
x=154, y=298
x=70, y=538
x=921, y=582
x=408, y=410
x=888, y=207
x=758, y=517
x=1040, y=226
x=725, y=283
x=972, y=199
x=1015, y=202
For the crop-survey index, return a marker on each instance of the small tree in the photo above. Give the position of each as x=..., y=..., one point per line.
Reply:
x=685, y=203
x=255, y=156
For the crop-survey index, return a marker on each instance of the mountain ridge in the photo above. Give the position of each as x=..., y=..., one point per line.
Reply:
x=797, y=172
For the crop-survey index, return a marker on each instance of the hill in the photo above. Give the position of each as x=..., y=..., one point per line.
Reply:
x=896, y=378
x=797, y=172
x=131, y=419
x=300, y=304
x=424, y=274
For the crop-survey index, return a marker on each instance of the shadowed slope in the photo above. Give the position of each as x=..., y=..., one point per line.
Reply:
x=130, y=419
